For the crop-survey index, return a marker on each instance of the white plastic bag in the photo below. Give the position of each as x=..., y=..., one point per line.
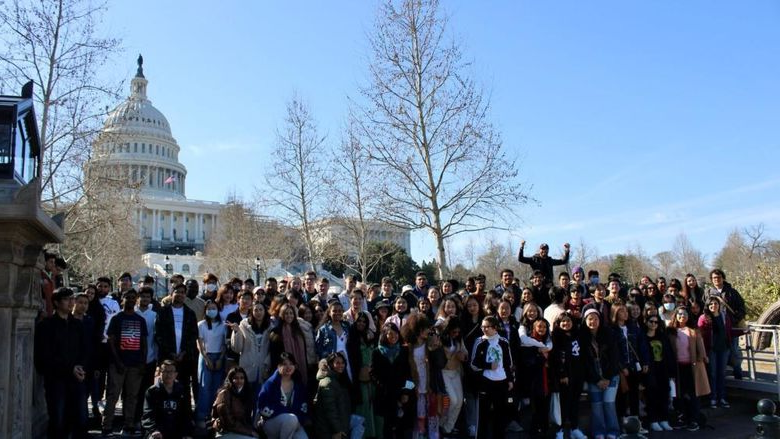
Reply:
x=555, y=408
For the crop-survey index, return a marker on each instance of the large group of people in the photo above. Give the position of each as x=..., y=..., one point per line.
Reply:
x=292, y=359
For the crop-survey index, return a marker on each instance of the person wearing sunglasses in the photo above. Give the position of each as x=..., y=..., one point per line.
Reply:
x=661, y=367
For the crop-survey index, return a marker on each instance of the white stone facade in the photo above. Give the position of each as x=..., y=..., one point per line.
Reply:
x=136, y=142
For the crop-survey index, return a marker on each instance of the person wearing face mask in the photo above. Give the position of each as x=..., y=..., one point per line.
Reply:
x=210, y=286
x=211, y=366
x=666, y=310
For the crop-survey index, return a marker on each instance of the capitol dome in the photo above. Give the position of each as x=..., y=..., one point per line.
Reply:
x=136, y=141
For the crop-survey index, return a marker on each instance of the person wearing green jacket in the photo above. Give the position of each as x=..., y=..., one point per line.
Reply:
x=333, y=418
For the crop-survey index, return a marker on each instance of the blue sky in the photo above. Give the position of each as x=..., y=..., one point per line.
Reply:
x=633, y=121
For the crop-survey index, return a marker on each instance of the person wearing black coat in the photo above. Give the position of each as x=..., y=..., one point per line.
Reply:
x=392, y=375
x=601, y=374
x=567, y=373
x=186, y=353
x=167, y=409
x=60, y=355
x=662, y=366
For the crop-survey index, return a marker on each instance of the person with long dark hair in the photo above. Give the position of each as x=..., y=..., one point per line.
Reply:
x=232, y=410
x=601, y=374
x=492, y=359
x=661, y=367
x=452, y=374
x=251, y=340
x=567, y=373
x=632, y=359
x=392, y=375
x=282, y=404
x=471, y=332
x=360, y=348
x=691, y=357
x=211, y=365
x=332, y=404
x=715, y=327
x=293, y=335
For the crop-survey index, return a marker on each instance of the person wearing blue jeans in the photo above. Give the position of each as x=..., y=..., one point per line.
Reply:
x=715, y=328
x=602, y=405
x=602, y=374
x=211, y=364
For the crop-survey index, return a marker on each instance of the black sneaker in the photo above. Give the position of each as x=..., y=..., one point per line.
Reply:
x=692, y=427
x=106, y=433
x=725, y=404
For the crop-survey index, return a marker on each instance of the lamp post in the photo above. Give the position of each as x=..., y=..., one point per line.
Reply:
x=257, y=271
x=168, y=272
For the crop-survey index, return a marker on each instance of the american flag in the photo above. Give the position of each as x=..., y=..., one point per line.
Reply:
x=130, y=338
x=170, y=179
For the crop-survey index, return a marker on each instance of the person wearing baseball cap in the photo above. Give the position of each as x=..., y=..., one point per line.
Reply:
x=542, y=261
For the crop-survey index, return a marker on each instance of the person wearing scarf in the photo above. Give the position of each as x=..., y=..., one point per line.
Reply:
x=391, y=374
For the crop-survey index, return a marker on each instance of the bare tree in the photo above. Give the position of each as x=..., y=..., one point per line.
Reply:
x=689, y=259
x=583, y=253
x=354, y=208
x=297, y=177
x=245, y=241
x=56, y=44
x=756, y=241
x=428, y=127
x=665, y=263
x=101, y=236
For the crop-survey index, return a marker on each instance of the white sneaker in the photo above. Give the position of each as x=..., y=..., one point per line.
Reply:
x=559, y=434
x=656, y=427
x=578, y=434
x=665, y=425
x=472, y=430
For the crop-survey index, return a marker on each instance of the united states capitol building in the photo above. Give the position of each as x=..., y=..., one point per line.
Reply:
x=137, y=141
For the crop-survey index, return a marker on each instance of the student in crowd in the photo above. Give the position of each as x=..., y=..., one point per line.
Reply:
x=601, y=374
x=332, y=404
x=492, y=359
x=167, y=409
x=294, y=336
x=176, y=334
x=211, y=364
x=401, y=312
x=360, y=348
x=632, y=359
x=251, y=341
x=457, y=355
x=567, y=373
x=61, y=357
x=691, y=379
x=127, y=342
x=145, y=310
x=282, y=404
x=662, y=366
x=232, y=410
x=715, y=328
x=394, y=404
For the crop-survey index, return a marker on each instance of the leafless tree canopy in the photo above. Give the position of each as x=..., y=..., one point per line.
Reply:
x=55, y=43
x=355, y=204
x=296, y=178
x=243, y=240
x=429, y=130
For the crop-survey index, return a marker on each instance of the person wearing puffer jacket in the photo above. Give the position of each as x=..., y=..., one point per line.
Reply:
x=250, y=341
x=332, y=405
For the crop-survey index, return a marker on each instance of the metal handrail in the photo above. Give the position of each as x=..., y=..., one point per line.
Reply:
x=750, y=350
